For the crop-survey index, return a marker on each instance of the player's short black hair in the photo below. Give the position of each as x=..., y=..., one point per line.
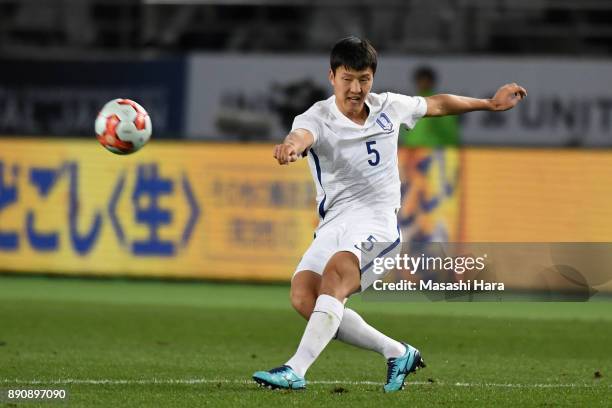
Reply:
x=425, y=72
x=353, y=53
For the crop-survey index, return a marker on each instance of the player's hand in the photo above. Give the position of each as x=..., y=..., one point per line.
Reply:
x=508, y=96
x=285, y=153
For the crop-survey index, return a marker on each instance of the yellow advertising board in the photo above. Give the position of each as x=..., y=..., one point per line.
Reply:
x=228, y=211
x=173, y=210
x=536, y=195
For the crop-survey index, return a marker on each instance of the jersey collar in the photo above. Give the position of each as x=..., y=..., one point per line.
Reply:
x=342, y=117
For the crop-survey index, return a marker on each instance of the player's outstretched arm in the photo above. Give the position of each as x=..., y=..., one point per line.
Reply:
x=294, y=146
x=505, y=98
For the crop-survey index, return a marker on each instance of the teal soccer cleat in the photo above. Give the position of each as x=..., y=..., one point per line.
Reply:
x=398, y=368
x=280, y=377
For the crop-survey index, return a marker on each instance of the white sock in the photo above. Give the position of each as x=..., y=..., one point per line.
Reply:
x=321, y=328
x=354, y=330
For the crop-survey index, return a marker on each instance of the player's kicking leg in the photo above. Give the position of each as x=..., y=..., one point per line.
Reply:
x=356, y=331
x=304, y=293
x=340, y=279
x=353, y=330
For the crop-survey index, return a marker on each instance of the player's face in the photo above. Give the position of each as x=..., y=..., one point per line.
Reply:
x=351, y=88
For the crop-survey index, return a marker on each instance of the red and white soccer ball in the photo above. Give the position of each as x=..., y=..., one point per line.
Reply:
x=123, y=126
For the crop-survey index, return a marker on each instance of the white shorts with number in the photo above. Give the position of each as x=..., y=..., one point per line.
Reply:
x=367, y=234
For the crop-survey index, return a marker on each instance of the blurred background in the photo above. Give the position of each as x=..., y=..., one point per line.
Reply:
x=204, y=209
x=222, y=81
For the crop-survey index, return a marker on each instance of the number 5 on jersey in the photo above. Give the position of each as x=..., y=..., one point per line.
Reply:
x=371, y=150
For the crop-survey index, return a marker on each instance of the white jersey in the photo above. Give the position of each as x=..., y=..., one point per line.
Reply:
x=355, y=166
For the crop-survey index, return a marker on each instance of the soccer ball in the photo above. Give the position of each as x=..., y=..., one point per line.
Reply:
x=123, y=126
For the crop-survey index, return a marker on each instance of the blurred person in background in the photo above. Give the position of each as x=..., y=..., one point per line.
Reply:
x=424, y=216
x=430, y=132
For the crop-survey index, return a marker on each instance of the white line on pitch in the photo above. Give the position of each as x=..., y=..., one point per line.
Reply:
x=323, y=382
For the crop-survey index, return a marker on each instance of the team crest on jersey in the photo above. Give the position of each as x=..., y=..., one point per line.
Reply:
x=385, y=123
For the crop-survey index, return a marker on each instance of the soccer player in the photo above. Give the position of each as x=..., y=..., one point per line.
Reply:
x=350, y=140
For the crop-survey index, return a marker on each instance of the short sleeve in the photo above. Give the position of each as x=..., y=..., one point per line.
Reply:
x=409, y=108
x=305, y=121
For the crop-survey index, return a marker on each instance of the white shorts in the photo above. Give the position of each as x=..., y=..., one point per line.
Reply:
x=367, y=234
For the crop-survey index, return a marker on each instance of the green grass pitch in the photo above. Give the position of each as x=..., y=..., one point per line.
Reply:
x=114, y=343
